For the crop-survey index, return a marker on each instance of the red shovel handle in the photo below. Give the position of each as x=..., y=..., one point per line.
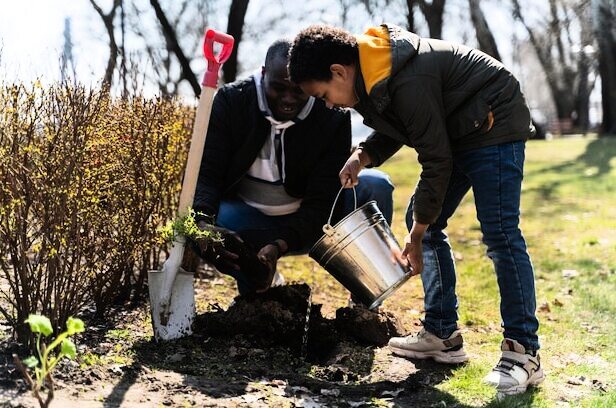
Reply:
x=215, y=61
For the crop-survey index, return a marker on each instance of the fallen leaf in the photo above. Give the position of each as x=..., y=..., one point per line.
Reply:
x=392, y=393
x=569, y=273
x=334, y=392
x=576, y=380
x=545, y=307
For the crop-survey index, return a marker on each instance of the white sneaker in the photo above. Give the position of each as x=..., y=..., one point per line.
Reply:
x=516, y=370
x=425, y=345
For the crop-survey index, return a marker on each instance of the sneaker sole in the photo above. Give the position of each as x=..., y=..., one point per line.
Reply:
x=451, y=357
x=536, y=379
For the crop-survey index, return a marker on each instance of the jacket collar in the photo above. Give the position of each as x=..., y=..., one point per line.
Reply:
x=403, y=47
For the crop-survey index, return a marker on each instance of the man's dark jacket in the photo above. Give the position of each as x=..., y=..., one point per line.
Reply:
x=315, y=150
x=439, y=98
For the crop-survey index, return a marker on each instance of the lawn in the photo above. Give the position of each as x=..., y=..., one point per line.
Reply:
x=569, y=220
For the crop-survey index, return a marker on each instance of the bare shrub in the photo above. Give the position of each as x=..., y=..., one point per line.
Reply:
x=86, y=179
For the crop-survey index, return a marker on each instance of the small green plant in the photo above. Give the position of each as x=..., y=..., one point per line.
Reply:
x=46, y=359
x=186, y=226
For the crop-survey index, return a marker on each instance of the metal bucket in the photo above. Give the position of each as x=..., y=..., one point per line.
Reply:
x=362, y=253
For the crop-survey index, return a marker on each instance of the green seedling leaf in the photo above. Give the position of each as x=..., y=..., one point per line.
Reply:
x=68, y=348
x=39, y=324
x=31, y=362
x=75, y=325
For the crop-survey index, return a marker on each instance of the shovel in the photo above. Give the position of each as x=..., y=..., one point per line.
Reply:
x=172, y=296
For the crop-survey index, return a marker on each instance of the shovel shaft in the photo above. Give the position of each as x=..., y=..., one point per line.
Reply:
x=173, y=305
x=195, y=153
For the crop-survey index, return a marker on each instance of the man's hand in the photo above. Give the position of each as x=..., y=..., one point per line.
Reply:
x=354, y=164
x=269, y=255
x=216, y=252
x=413, y=249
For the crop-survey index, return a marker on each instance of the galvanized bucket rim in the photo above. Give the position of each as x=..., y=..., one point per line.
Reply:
x=338, y=224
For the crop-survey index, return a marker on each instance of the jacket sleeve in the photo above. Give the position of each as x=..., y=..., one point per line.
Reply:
x=379, y=148
x=304, y=227
x=216, y=157
x=419, y=106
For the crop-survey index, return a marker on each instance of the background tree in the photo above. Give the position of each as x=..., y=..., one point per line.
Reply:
x=108, y=21
x=433, y=12
x=604, y=15
x=235, y=28
x=563, y=55
x=485, y=39
x=174, y=47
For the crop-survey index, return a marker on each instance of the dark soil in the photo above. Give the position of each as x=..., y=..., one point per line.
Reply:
x=278, y=318
x=251, y=354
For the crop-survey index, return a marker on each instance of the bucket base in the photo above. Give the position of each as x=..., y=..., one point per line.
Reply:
x=377, y=302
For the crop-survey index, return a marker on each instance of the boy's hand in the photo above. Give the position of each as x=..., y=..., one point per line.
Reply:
x=413, y=254
x=413, y=249
x=354, y=164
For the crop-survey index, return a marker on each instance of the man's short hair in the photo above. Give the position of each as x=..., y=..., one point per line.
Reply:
x=316, y=48
x=278, y=50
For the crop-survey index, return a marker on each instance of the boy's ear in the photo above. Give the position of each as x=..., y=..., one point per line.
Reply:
x=339, y=70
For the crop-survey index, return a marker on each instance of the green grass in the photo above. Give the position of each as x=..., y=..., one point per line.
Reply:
x=569, y=221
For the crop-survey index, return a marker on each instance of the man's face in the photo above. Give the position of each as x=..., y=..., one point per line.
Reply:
x=337, y=92
x=285, y=99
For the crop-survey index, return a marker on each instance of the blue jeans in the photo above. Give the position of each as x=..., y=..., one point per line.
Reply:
x=236, y=215
x=495, y=174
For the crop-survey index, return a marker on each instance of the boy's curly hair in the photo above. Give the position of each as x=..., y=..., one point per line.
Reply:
x=316, y=48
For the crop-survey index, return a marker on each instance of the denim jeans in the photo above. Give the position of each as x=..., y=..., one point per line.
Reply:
x=495, y=174
x=237, y=216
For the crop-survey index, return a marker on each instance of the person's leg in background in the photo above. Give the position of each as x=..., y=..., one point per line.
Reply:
x=373, y=185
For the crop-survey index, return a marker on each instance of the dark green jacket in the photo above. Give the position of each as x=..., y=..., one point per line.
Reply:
x=439, y=98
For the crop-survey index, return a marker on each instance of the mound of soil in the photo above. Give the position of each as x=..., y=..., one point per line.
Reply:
x=274, y=318
x=278, y=318
x=368, y=327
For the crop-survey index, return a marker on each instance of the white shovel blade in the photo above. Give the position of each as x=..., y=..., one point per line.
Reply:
x=181, y=308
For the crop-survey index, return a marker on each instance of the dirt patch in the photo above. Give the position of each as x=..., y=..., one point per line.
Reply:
x=279, y=316
x=248, y=355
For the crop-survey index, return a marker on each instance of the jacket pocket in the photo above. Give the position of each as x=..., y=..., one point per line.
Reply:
x=471, y=117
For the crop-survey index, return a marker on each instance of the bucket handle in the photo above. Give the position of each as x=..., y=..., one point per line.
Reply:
x=331, y=213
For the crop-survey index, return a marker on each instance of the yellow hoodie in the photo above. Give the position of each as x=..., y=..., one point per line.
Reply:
x=374, y=55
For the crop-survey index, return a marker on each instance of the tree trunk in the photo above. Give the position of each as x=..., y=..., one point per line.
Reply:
x=174, y=46
x=487, y=44
x=410, y=17
x=235, y=26
x=584, y=66
x=485, y=38
x=113, y=46
x=551, y=54
x=604, y=15
x=433, y=13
